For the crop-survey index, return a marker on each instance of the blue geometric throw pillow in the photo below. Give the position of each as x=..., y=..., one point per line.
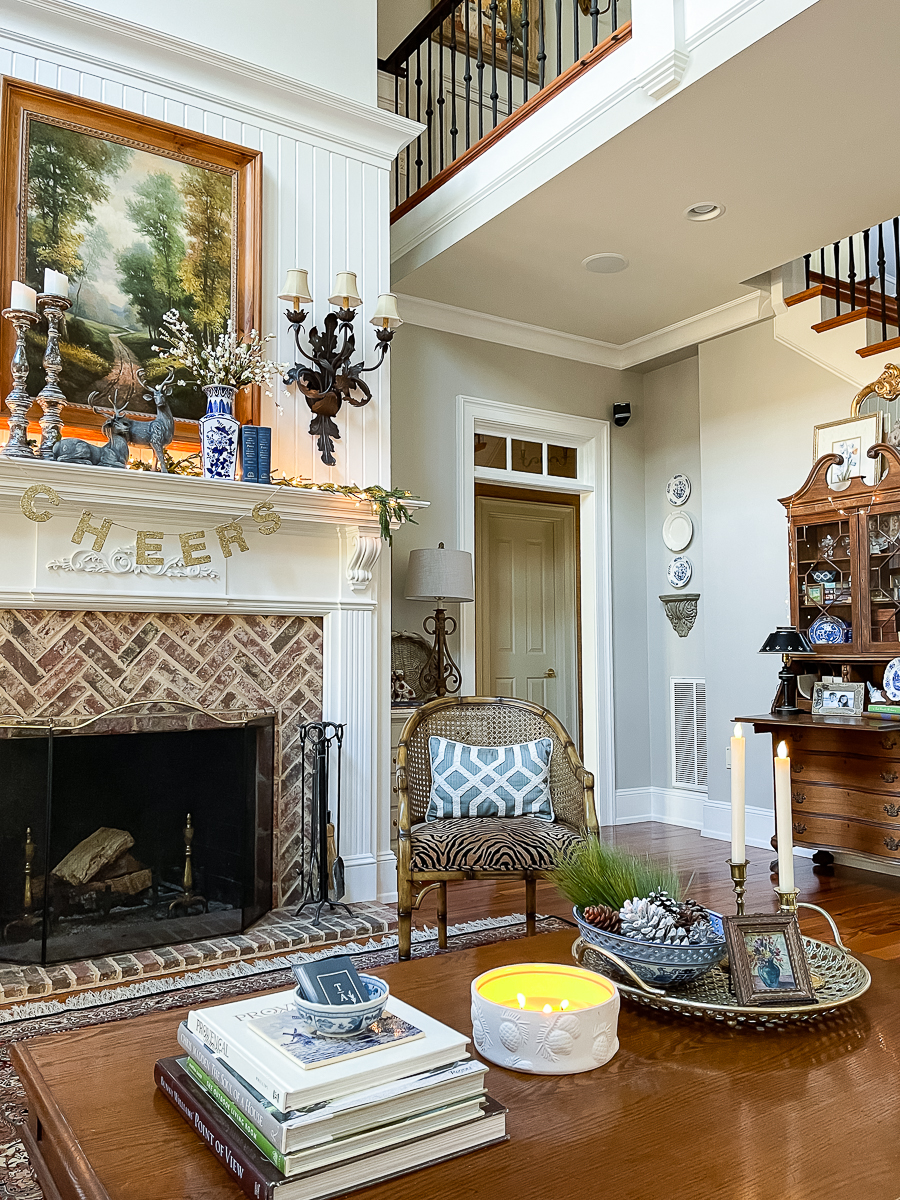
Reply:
x=489, y=781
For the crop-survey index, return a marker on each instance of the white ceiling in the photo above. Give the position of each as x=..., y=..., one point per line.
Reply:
x=797, y=136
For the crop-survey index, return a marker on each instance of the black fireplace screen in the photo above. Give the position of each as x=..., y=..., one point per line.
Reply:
x=118, y=841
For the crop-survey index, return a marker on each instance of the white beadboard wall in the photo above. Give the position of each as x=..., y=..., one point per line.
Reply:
x=322, y=210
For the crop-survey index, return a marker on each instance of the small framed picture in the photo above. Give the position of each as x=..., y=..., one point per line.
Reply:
x=838, y=699
x=851, y=438
x=768, y=965
x=814, y=593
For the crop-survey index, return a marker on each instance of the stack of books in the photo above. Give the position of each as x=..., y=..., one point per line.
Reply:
x=298, y=1117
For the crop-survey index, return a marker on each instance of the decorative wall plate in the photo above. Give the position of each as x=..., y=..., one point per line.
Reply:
x=892, y=679
x=678, y=489
x=678, y=529
x=679, y=572
x=828, y=631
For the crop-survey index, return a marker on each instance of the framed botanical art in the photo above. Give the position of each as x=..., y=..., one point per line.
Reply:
x=768, y=964
x=850, y=437
x=142, y=217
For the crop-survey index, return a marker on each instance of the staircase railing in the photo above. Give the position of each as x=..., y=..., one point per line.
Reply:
x=860, y=274
x=470, y=66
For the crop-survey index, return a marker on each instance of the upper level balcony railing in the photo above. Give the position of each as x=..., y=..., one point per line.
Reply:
x=472, y=69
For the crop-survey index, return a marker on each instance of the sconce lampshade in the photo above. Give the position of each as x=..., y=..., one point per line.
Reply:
x=440, y=575
x=386, y=315
x=786, y=640
x=296, y=287
x=345, y=293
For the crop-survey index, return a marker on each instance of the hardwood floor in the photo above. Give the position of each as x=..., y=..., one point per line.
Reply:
x=864, y=904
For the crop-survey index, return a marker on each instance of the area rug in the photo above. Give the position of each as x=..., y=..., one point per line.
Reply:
x=18, y=1181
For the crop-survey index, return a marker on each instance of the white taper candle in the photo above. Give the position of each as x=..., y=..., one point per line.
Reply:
x=783, y=830
x=738, y=807
x=23, y=297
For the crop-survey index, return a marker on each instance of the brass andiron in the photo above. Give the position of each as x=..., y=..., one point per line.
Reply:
x=739, y=882
x=50, y=397
x=28, y=902
x=188, y=897
x=23, y=928
x=18, y=401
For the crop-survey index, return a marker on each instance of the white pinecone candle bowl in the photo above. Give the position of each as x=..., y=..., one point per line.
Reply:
x=545, y=1018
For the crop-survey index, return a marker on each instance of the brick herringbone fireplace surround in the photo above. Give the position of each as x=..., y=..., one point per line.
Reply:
x=83, y=663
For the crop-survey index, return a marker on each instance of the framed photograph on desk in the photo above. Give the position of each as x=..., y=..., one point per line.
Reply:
x=838, y=699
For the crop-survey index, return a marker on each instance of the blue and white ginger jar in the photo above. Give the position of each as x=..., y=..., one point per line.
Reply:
x=219, y=432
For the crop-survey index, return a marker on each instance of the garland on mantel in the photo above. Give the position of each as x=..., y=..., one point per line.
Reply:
x=388, y=504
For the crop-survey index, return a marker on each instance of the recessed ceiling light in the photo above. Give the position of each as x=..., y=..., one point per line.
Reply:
x=605, y=264
x=706, y=211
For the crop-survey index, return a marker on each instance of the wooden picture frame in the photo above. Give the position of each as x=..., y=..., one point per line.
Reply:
x=768, y=963
x=850, y=437
x=27, y=111
x=839, y=699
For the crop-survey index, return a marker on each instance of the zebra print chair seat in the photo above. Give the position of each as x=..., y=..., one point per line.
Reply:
x=433, y=854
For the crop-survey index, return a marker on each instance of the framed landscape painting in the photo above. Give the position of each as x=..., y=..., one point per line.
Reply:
x=143, y=217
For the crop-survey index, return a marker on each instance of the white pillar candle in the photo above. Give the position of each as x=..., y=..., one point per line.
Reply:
x=783, y=819
x=738, y=810
x=23, y=297
x=55, y=283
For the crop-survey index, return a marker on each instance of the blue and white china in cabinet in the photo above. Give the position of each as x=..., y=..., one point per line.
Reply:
x=827, y=630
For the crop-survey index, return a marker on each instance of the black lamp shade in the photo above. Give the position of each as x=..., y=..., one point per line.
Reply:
x=786, y=640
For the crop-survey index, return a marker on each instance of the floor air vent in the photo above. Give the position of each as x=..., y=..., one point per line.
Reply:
x=688, y=707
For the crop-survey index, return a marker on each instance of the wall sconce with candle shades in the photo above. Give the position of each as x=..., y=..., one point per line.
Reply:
x=328, y=378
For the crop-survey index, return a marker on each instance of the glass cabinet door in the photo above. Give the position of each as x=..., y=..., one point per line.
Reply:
x=881, y=552
x=824, y=599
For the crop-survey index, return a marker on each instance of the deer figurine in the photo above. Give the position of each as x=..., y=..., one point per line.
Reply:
x=113, y=454
x=158, y=433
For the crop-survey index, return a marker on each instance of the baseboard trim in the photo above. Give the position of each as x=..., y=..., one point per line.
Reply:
x=669, y=806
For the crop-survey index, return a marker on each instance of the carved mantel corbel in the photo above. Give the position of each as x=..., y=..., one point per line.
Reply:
x=681, y=609
x=363, y=550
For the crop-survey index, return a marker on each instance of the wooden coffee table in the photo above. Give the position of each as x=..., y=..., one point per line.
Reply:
x=684, y=1110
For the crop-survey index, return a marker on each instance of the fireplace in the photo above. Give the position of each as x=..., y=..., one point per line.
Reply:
x=146, y=827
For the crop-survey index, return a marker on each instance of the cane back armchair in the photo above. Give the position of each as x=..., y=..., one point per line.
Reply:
x=429, y=855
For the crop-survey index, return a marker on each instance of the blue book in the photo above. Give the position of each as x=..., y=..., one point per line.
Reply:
x=250, y=454
x=264, y=435
x=284, y=1030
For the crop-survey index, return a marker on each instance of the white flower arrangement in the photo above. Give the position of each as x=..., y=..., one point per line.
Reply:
x=230, y=360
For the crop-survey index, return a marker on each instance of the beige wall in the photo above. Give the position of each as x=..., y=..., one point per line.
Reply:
x=429, y=370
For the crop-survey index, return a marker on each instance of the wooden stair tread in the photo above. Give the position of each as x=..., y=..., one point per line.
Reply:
x=879, y=347
x=857, y=314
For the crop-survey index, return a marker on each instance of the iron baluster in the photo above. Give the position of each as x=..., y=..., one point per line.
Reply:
x=896, y=227
x=851, y=276
x=806, y=259
x=542, y=47
x=479, y=67
x=397, y=160
x=595, y=24
x=408, y=145
x=882, y=281
x=454, y=130
x=614, y=18
x=837, y=278
x=526, y=24
x=441, y=101
x=495, y=95
x=468, y=77
x=575, y=30
x=822, y=265
x=866, y=254
x=559, y=37
x=429, y=111
x=509, y=46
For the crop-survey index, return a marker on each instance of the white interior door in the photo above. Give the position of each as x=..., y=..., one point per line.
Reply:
x=526, y=604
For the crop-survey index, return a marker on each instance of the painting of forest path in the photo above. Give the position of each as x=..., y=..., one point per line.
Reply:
x=138, y=233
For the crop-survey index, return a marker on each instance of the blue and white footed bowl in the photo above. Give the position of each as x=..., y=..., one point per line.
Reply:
x=663, y=966
x=344, y=1020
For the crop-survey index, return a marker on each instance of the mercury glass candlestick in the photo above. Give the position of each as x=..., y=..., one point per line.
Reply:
x=739, y=882
x=18, y=401
x=50, y=397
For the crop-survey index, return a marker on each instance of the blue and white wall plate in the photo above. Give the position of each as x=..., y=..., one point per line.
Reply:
x=828, y=631
x=678, y=489
x=679, y=572
x=892, y=679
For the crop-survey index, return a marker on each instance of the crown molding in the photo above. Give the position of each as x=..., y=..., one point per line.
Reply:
x=129, y=51
x=485, y=327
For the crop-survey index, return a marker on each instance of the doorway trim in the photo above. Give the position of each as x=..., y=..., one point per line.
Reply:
x=591, y=437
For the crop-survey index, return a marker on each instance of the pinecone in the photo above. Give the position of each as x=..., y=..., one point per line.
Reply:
x=603, y=917
x=689, y=917
x=649, y=921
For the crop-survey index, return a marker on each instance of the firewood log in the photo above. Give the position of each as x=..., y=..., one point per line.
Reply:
x=91, y=855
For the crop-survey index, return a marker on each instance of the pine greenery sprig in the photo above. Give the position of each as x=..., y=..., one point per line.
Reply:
x=594, y=872
x=387, y=504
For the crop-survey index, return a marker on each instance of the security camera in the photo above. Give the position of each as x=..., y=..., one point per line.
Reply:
x=621, y=413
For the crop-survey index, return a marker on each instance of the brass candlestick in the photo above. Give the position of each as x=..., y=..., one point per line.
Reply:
x=18, y=401
x=50, y=397
x=787, y=899
x=188, y=897
x=739, y=881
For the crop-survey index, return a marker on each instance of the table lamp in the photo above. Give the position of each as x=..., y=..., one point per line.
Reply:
x=438, y=576
x=787, y=641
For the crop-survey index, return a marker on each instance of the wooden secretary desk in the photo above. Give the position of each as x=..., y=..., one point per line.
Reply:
x=845, y=563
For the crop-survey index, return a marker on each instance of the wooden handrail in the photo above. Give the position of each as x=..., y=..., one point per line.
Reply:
x=394, y=64
x=558, y=85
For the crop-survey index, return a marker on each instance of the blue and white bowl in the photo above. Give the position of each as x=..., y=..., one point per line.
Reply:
x=664, y=966
x=344, y=1020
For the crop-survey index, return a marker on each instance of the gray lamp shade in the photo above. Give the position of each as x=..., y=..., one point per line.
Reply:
x=786, y=640
x=440, y=575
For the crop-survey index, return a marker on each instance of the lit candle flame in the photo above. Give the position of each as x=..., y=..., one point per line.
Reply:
x=738, y=732
x=782, y=751
x=563, y=1005
x=548, y=1008
x=521, y=999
